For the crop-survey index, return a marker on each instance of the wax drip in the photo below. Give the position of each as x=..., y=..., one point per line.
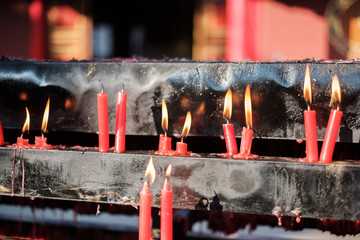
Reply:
x=13, y=174
x=23, y=172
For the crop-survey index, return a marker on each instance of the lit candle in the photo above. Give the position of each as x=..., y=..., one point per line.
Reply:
x=247, y=132
x=21, y=142
x=120, y=122
x=332, y=128
x=1, y=135
x=228, y=128
x=41, y=142
x=164, y=140
x=310, y=123
x=103, y=124
x=181, y=147
x=145, y=204
x=166, y=210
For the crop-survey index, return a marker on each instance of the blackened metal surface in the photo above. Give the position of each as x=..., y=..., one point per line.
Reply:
x=328, y=191
x=277, y=99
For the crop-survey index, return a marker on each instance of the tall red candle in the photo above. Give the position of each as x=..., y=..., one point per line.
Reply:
x=246, y=141
x=312, y=154
x=103, y=124
x=332, y=129
x=145, y=213
x=145, y=204
x=311, y=136
x=230, y=140
x=228, y=128
x=333, y=125
x=166, y=210
x=120, y=122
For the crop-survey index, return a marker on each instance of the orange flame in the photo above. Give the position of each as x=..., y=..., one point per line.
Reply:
x=168, y=171
x=201, y=109
x=248, y=111
x=150, y=171
x=46, y=117
x=187, y=125
x=26, y=126
x=228, y=105
x=335, y=92
x=307, y=86
x=164, y=120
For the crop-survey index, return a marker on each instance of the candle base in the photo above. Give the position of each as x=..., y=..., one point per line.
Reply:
x=181, y=149
x=245, y=156
x=21, y=143
x=165, y=146
x=307, y=160
x=41, y=143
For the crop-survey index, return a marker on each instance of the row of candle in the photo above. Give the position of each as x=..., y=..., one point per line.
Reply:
x=332, y=128
x=103, y=122
x=166, y=210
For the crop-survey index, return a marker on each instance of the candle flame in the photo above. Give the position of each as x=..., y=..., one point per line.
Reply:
x=187, y=125
x=307, y=86
x=201, y=109
x=26, y=126
x=228, y=105
x=150, y=171
x=168, y=171
x=336, y=92
x=46, y=117
x=164, y=120
x=248, y=111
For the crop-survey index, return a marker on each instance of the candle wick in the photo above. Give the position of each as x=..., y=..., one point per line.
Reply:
x=22, y=135
x=182, y=138
x=308, y=106
x=248, y=127
x=102, y=87
x=165, y=133
x=338, y=108
x=122, y=90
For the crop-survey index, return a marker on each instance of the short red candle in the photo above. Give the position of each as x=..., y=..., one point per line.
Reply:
x=145, y=213
x=181, y=148
x=21, y=142
x=164, y=143
x=103, y=124
x=120, y=122
x=166, y=212
x=230, y=140
x=1, y=135
x=311, y=136
x=246, y=141
x=332, y=129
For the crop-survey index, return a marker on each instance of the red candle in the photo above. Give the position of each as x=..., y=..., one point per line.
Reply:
x=145, y=213
x=21, y=142
x=164, y=140
x=181, y=147
x=310, y=123
x=229, y=133
x=120, y=122
x=247, y=133
x=311, y=136
x=230, y=140
x=332, y=128
x=166, y=210
x=103, y=124
x=41, y=142
x=246, y=141
x=1, y=135
x=145, y=204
